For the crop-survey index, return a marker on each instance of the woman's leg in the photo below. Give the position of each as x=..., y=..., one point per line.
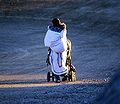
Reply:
x=57, y=77
x=64, y=77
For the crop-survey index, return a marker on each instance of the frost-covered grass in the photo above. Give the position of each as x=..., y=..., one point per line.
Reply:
x=84, y=92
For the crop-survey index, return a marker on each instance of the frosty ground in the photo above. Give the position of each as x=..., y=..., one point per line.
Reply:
x=80, y=92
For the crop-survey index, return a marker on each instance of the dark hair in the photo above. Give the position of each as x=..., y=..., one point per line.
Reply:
x=57, y=23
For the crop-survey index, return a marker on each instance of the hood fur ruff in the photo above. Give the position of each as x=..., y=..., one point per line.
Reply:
x=56, y=29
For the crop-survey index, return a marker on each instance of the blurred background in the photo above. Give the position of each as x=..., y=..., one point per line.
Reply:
x=93, y=27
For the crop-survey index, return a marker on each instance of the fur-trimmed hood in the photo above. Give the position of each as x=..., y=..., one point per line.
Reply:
x=55, y=29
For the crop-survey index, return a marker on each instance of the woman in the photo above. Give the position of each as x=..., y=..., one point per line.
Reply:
x=56, y=40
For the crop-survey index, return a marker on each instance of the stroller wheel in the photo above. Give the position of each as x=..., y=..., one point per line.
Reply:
x=53, y=77
x=48, y=77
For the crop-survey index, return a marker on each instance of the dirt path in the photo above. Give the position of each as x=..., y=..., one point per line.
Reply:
x=45, y=84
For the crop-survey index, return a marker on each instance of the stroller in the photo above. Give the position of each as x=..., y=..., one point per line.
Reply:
x=71, y=75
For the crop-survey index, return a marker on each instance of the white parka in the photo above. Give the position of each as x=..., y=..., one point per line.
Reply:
x=56, y=40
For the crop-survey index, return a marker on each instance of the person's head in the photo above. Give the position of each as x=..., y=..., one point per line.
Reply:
x=57, y=23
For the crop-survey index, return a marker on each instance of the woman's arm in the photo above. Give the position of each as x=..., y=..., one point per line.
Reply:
x=64, y=31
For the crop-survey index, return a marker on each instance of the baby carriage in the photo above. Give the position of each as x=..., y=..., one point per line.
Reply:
x=71, y=74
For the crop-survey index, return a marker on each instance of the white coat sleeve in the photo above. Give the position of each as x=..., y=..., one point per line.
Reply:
x=63, y=33
x=46, y=39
